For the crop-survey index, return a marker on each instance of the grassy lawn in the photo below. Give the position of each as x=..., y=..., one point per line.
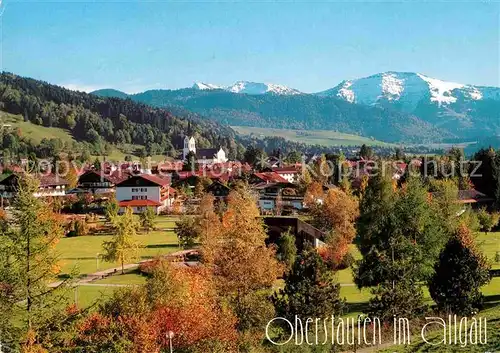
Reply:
x=166, y=222
x=491, y=313
x=490, y=244
x=320, y=137
x=89, y=295
x=82, y=251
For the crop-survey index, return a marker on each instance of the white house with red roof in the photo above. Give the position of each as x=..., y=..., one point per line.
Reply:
x=145, y=190
x=291, y=174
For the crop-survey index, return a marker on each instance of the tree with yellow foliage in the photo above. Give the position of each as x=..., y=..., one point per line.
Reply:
x=314, y=194
x=235, y=249
x=337, y=216
x=71, y=176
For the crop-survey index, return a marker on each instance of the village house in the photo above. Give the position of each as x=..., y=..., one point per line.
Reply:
x=281, y=197
x=145, y=190
x=275, y=193
x=291, y=174
x=472, y=198
x=51, y=185
x=266, y=177
x=97, y=182
x=219, y=190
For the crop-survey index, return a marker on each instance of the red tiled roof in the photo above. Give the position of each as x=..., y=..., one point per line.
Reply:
x=185, y=174
x=214, y=175
x=271, y=177
x=52, y=180
x=138, y=203
x=171, y=165
x=285, y=170
x=153, y=178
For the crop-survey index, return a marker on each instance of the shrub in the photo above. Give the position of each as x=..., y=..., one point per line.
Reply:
x=487, y=220
x=346, y=262
x=78, y=228
x=187, y=232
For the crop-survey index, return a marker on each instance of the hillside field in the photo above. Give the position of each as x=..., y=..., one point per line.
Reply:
x=313, y=137
x=32, y=131
x=37, y=132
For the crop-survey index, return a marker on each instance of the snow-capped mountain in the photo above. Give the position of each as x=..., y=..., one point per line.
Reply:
x=205, y=86
x=261, y=88
x=246, y=87
x=408, y=89
x=390, y=106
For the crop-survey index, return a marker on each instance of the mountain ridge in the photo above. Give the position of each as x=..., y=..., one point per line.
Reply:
x=391, y=106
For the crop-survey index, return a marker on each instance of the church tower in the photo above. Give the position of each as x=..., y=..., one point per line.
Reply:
x=189, y=146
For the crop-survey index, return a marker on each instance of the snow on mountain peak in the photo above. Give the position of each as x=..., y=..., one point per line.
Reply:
x=249, y=88
x=392, y=86
x=407, y=88
x=441, y=90
x=205, y=86
x=345, y=92
x=260, y=88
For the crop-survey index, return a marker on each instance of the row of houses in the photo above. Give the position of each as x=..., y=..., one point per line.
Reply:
x=138, y=190
x=276, y=188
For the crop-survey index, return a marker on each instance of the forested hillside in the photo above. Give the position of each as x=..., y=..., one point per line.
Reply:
x=101, y=121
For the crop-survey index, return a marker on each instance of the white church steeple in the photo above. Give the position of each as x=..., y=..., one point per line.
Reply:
x=189, y=146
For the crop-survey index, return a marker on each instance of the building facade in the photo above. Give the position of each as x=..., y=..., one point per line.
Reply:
x=203, y=155
x=50, y=185
x=142, y=191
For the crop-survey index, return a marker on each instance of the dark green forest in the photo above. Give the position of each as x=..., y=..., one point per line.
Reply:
x=98, y=122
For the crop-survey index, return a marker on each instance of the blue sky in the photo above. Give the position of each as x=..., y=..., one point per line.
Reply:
x=311, y=46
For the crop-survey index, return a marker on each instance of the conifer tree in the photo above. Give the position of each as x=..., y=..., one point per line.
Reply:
x=287, y=250
x=400, y=237
x=147, y=219
x=310, y=289
x=461, y=271
x=29, y=262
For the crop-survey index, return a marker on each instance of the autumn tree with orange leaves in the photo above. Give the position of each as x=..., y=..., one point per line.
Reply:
x=314, y=194
x=244, y=266
x=336, y=216
x=183, y=301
